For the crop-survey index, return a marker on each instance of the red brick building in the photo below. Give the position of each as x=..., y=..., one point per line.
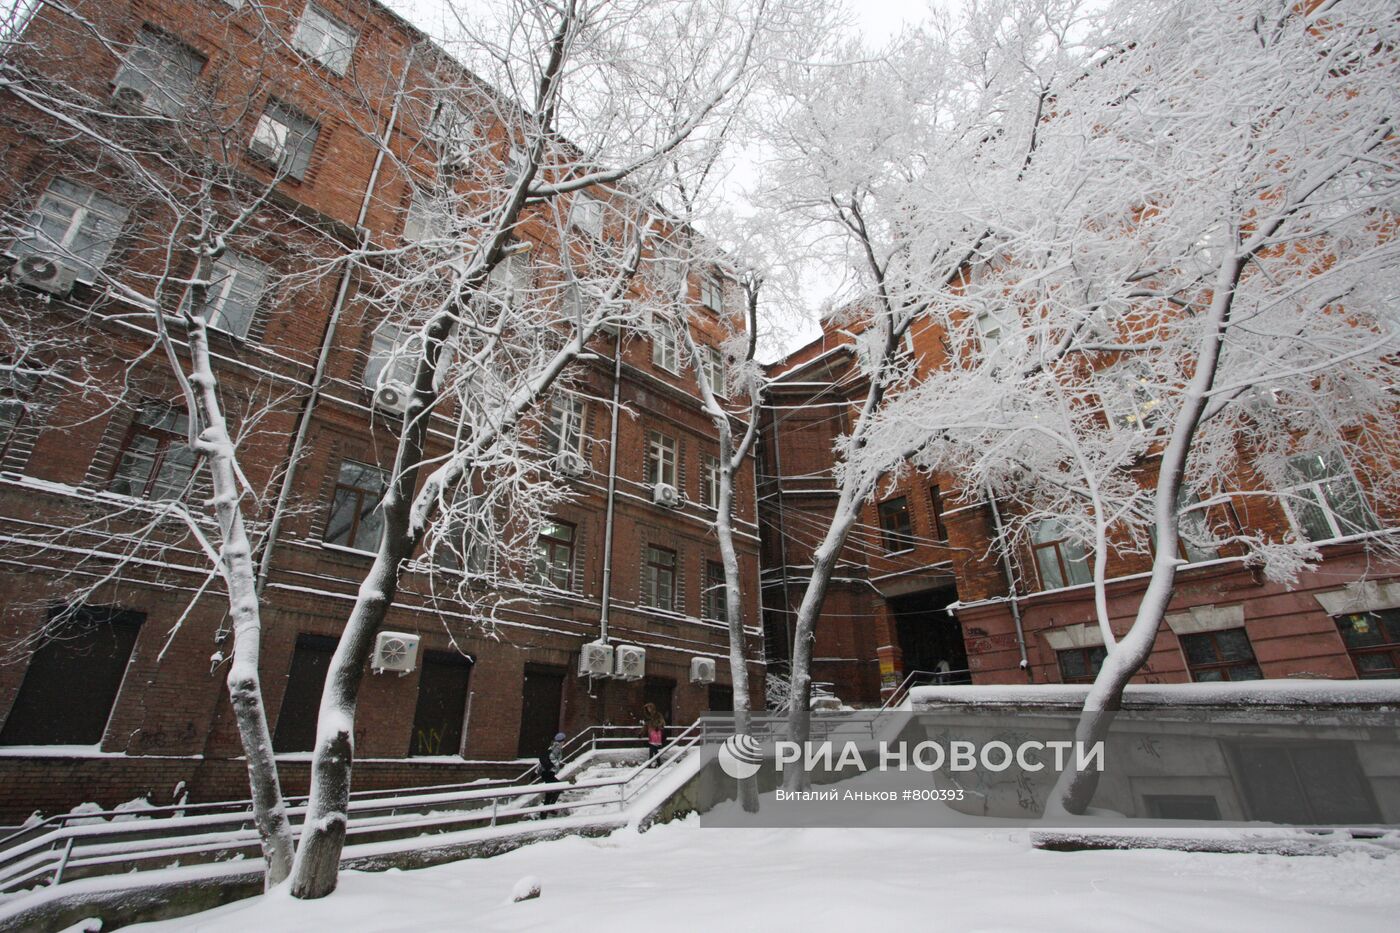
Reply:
x=920, y=587
x=136, y=697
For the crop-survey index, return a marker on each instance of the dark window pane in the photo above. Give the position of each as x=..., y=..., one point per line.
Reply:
x=1234, y=645
x=1200, y=649
x=72, y=680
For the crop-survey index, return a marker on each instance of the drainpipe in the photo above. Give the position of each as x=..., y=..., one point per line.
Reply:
x=327, y=341
x=1010, y=587
x=606, y=608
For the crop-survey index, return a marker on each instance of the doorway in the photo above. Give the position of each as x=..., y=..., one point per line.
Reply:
x=659, y=693
x=930, y=639
x=543, y=695
x=439, y=718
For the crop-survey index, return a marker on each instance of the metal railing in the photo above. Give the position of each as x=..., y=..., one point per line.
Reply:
x=924, y=679
x=71, y=846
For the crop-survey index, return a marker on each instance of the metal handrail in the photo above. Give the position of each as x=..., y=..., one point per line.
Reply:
x=920, y=679
x=120, y=847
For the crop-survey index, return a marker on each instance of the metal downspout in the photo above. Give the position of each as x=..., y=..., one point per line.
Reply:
x=327, y=341
x=606, y=607
x=1010, y=587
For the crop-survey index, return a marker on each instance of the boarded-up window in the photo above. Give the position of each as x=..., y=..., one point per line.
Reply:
x=296, y=724
x=72, y=681
x=439, y=720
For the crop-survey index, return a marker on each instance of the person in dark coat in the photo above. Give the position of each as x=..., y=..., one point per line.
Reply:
x=551, y=761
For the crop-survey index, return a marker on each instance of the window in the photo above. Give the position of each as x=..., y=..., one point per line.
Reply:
x=1061, y=561
x=659, y=578
x=509, y=282
x=422, y=220
x=156, y=461
x=990, y=331
x=1194, y=535
x=554, y=555
x=72, y=680
x=715, y=604
x=439, y=719
x=1181, y=807
x=1304, y=783
x=236, y=285
x=896, y=525
x=713, y=362
x=709, y=488
x=668, y=269
x=564, y=431
x=1373, y=641
x=1080, y=665
x=1223, y=655
x=324, y=38
x=1325, y=500
x=296, y=724
x=1129, y=395
x=74, y=224
x=393, y=356
x=355, y=520
x=453, y=131
x=516, y=161
x=17, y=385
x=161, y=71
x=935, y=504
x=712, y=293
x=587, y=216
x=661, y=459
x=664, y=346
x=285, y=138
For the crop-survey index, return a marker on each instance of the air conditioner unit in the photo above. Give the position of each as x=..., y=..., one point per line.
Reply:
x=392, y=397
x=595, y=660
x=629, y=662
x=395, y=651
x=571, y=464
x=128, y=99
x=664, y=494
x=702, y=670
x=45, y=274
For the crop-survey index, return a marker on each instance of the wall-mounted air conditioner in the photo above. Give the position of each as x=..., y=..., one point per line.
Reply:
x=666, y=496
x=571, y=464
x=629, y=662
x=392, y=397
x=702, y=670
x=45, y=274
x=395, y=651
x=595, y=660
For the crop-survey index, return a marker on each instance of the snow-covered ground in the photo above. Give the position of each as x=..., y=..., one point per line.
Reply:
x=683, y=877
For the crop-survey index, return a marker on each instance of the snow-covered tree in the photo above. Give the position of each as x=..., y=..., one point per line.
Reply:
x=553, y=230
x=1189, y=306
x=887, y=172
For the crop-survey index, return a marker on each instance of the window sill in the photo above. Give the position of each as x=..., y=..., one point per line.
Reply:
x=346, y=549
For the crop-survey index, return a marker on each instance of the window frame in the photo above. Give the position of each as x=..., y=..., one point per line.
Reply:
x=586, y=216
x=714, y=604
x=216, y=300
x=1388, y=647
x=548, y=568
x=83, y=203
x=661, y=465
x=1092, y=657
x=18, y=385
x=896, y=540
x=1060, y=546
x=712, y=361
x=935, y=500
x=336, y=57
x=293, y=145
x=1130, y=380
x=150, y=421
x=1222, y=665
x=657, y=560
x=563, y=428
x=665, y=346
x=1341, y=471
x=360, y=494
x=148, y=78
x=709, y=482
x=712, y=292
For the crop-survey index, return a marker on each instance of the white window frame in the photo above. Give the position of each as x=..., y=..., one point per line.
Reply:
x=277, y=135
x=709, y=482
x=420, y=222
x=991, y=331
x=661, y=459
x=586, y=216
x=567, y=412
x=712, y=292
x=454, y=132
x=85, y=208
x=391, y=357
x=1317, y=491
x=325, y=38
x=665, y=346
x=1052, y=533
x=713, y=362
x=238, y=275
x=1129, y=382
x=167, y=79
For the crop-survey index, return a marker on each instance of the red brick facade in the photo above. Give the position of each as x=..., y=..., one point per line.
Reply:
x=170, y=730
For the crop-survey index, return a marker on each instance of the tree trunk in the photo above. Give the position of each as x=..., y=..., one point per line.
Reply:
x=734, y=615
x=244, y=687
